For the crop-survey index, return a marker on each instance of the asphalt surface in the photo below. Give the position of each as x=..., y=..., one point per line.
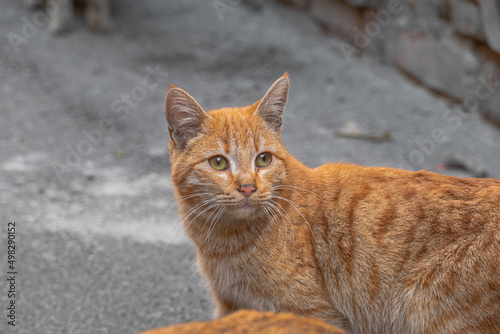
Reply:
x=83, y=159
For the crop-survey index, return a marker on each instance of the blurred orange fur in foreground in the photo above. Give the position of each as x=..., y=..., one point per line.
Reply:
x=252, y=322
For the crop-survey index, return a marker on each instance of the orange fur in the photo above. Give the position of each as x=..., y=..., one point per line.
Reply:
x=371, y=250
x=247, y=321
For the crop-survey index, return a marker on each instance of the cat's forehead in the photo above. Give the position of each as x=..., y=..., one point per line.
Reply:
x=236, y=123
x=238, y=129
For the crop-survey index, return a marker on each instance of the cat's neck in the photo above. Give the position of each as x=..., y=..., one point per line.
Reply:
x=298, y=173
x=230, y=237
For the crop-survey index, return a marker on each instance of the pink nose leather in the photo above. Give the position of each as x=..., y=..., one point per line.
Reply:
x=247, y=189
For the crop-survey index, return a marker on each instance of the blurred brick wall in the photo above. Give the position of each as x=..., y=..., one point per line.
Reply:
x=450, y=46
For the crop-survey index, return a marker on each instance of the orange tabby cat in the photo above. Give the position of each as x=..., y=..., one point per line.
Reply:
x=246, y=321
x=371, y=250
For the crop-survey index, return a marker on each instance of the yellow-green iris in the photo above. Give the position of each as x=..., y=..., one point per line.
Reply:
x=264, y=160
x=218, y=163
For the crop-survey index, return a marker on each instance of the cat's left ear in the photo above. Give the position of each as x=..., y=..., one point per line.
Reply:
x=272, y=105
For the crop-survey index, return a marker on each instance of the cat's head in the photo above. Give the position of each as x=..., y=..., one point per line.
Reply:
x=229, y=161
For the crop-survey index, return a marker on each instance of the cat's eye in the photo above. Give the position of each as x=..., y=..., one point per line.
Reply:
x=264, y=160
x=218, y=163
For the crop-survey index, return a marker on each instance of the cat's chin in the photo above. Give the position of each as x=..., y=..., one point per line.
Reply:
x=244, y=211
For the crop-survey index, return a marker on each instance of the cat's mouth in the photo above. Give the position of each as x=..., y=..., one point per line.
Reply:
x=246, y=204
x=245, y=208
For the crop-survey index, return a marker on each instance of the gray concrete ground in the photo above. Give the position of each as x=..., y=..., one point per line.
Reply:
x=84, y=169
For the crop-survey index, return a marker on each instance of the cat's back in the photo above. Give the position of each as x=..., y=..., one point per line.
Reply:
x=407, y=188
x=436, y=237
x=438, y=213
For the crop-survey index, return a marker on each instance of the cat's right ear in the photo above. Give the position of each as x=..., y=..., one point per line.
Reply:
x=184, y=116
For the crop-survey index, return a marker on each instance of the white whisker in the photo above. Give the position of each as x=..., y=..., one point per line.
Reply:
x=281, y=209
x=214, y=222
x=213, y=205
x=269, y=211
x=294, y=188
x=189, y=213
x=182, y=199
x=300, y=213
x=278, y=210
x=278, y=222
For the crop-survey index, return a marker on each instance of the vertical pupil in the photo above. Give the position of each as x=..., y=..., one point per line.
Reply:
x=218, y=160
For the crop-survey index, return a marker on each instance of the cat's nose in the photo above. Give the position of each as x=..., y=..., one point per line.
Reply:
x=247, y=189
